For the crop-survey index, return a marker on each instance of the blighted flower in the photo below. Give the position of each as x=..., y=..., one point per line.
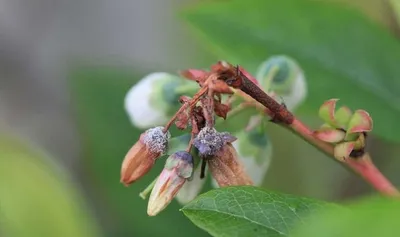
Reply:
x=282, y=75
x=178, y=168
x=209, y=141
x=226, y=168
x=141, y=157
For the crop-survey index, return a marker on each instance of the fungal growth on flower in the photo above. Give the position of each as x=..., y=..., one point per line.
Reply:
x=202, y=107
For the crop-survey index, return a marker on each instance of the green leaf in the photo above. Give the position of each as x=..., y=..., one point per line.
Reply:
x=37, y=198
x=396, y=9
x=370, y=217
x=249, y=211
x=343, y=53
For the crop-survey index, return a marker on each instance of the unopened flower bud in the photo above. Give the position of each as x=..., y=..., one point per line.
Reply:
x=283, y=76
x=226, y=168
x=178, y=168
x=155, y=98
x=141, y=157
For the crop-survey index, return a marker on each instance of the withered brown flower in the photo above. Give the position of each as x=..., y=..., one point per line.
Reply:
x=141, y=157
x=226, y=168
x=224, y=164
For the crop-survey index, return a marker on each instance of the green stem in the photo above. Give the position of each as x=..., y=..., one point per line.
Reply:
x=148, y=189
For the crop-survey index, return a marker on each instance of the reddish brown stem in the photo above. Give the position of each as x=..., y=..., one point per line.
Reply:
x=280, y=112
x=366, y=169
x=362, y=166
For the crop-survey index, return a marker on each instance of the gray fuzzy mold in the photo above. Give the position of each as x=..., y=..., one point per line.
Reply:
x=156, y=140
x=209, y=141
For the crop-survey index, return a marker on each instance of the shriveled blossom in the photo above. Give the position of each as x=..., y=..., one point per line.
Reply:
x=207, y=151
x=141, y=157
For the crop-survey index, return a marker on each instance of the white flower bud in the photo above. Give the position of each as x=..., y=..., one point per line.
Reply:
x=139, y=105
x=283, y=76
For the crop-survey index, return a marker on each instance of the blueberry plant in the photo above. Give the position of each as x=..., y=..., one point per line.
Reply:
x=200, y=101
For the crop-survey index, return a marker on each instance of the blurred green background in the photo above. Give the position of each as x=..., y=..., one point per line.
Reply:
x=57, y=183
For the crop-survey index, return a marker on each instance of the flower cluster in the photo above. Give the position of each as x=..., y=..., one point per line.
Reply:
x=345, y=129
x=199, y=108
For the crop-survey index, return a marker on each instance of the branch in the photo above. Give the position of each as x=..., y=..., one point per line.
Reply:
x=363, y=166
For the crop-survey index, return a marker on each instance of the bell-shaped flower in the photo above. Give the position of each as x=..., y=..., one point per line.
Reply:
x=281, y=75
x=155, y=98
x=254, y=150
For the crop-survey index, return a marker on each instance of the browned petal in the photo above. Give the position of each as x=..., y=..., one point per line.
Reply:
x=137, y=163
x=195, y=75
x=221, y=109
x=226, y=168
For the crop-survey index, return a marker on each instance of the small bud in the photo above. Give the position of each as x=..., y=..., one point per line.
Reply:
x=155, y=98
x=178, y=168
x=226, y=168
x=141, y=157
x=283, y=76
x=342, y=150
x=209, y=141
x=331, y=135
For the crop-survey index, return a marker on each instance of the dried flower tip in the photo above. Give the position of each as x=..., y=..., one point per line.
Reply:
x=226, y=168
x=209, y=141
x=178, y=168
x=157, y=140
